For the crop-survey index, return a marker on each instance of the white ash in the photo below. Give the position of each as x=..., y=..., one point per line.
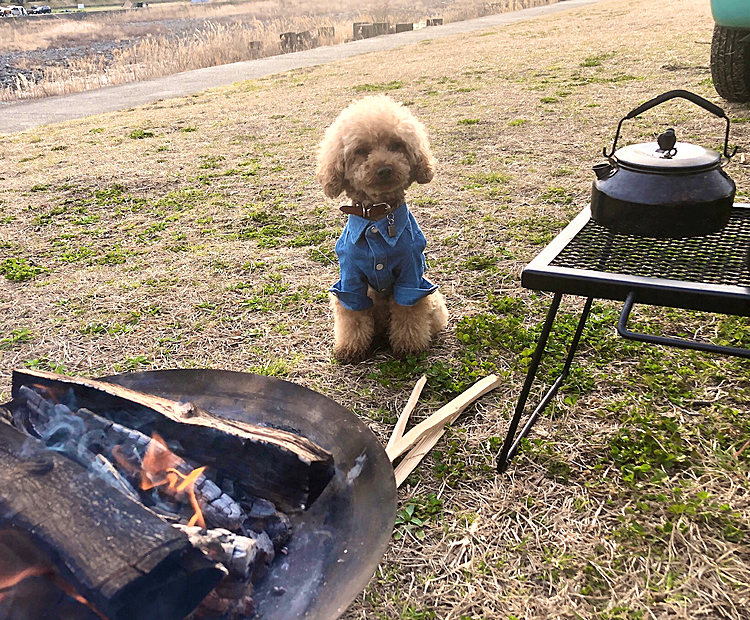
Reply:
x=243, y=556
x=103, y=469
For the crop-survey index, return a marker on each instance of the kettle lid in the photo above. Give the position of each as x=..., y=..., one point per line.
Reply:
x=667, y=155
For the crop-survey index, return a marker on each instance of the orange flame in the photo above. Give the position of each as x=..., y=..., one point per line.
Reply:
x=53, y=392
x=157, y=462
x=9, y=580
x=159, y=468
x=188, y=483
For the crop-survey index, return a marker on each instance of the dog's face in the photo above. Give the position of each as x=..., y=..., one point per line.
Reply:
x=375, y=149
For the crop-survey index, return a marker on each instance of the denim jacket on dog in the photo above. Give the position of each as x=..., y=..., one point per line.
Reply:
x=392, y=265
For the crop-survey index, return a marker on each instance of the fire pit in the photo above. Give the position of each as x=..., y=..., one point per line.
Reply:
x=337, y=541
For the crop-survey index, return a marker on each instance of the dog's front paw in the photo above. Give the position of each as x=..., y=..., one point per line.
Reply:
x=406, y=342
x=353, y=331
x=404, y=350
x=349, y=355
x=410, y=331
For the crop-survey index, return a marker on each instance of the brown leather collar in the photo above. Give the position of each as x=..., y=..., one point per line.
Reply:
x=368, y=210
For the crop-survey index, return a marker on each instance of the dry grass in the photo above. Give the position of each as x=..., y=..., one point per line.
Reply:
x=191, y=233
x=220, y=34
x=210, y=45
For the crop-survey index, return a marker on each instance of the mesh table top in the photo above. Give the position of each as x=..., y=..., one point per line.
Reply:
x=709, y=272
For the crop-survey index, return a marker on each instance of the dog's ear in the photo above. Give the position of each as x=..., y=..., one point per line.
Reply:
x=425, y=168
x=331, y=164
x=423, y=163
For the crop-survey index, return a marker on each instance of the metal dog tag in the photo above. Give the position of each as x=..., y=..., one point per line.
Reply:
x=391, y=226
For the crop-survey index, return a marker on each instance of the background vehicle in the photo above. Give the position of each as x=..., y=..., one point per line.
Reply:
x=730, y=49
x=39, y=10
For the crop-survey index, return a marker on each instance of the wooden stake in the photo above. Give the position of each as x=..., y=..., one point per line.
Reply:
x=403, y=419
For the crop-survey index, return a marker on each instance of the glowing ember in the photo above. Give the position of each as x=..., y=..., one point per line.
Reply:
x=17, y=565
x=8, y=582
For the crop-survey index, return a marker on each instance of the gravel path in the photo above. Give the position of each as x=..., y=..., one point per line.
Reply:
x=18, y=116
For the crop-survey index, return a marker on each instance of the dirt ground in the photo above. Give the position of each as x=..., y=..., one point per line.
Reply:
x=191, y=233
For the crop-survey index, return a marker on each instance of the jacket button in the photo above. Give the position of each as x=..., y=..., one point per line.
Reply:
x=374, y=230
x=379, y=266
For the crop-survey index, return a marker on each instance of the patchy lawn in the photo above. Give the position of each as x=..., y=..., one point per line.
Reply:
x=191, y=233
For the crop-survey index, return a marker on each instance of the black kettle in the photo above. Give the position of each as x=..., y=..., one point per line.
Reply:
x=664, y=188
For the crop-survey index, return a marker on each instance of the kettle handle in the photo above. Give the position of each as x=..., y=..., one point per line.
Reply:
x=672, y=94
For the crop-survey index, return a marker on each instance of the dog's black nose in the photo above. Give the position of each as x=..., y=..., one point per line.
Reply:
x=384, y=172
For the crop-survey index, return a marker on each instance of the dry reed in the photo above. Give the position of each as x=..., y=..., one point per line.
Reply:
x=225, y=34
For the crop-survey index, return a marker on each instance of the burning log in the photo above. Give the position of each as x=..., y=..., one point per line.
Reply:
x=121, y=558
x=286, y=468
x=77, y=433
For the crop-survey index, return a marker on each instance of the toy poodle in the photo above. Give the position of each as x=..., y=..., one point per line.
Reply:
x=373, y=152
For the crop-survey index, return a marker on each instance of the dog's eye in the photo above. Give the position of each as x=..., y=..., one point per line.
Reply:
x=396, y=146
x=362, y=152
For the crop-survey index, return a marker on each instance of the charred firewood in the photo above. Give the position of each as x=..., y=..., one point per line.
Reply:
x=31, y=586
x=103, y=469
x=288, y=469
x=84, y=435
x=40, y=597
x=262, y=516
x=245, y=557
x=124, y=560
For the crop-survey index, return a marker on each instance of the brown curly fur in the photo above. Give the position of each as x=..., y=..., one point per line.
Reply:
x=373, y=133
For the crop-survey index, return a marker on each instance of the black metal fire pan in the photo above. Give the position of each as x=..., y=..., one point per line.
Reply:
x=338, y=542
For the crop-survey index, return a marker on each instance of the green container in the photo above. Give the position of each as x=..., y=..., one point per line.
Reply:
x=731, y=13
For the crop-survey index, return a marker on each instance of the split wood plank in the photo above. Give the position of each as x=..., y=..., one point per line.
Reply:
x=443, y=416
x=414, y=457
x=403, y=419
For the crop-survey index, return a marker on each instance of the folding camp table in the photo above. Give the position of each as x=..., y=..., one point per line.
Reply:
x=709, y=273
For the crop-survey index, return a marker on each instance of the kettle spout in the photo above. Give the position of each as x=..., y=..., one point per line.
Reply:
x=602, y=171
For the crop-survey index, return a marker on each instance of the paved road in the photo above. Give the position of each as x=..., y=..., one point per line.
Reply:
x=22, y=115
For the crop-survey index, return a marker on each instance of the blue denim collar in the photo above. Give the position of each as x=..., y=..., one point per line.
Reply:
x=399, y=219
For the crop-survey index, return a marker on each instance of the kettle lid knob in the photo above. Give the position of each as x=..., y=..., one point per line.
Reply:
x=666, y=142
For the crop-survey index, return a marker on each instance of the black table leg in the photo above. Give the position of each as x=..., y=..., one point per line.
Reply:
x=510, y=446
x=622, y=329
